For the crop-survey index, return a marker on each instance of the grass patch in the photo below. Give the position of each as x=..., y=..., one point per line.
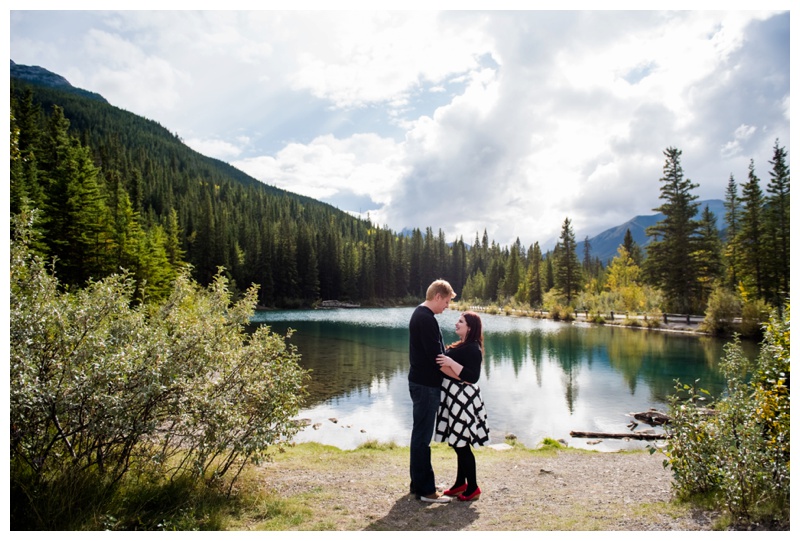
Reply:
x=374, y=445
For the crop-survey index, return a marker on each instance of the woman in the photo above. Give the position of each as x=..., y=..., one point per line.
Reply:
x=461, y=420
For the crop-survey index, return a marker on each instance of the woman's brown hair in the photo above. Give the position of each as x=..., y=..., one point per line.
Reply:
x=475, y=330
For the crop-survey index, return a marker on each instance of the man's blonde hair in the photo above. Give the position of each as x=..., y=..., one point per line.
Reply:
x=439, y=287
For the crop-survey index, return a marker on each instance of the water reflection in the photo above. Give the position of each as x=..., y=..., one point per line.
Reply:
x=540, y=378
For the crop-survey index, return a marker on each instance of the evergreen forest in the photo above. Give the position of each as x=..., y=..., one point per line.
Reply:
x=111, y=190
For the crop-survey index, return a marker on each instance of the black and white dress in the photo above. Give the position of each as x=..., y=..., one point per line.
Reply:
x=462, y=418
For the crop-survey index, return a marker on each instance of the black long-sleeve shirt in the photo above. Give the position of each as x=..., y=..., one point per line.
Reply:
x=470, y=357
x=425, y=343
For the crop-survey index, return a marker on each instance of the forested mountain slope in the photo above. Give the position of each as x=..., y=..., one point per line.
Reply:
x=297, y=249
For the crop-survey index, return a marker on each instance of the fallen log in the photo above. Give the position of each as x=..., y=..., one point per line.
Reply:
x=652, y=417
x=611, y=435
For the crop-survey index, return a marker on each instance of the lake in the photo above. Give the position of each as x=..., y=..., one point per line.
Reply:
x=540, y=378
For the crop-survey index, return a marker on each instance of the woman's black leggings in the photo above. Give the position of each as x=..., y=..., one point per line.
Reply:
x=466, y=468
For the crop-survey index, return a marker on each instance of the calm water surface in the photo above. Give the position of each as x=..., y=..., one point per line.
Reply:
x=540, y=378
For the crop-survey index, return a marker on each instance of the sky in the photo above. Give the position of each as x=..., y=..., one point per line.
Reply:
x=500, y=120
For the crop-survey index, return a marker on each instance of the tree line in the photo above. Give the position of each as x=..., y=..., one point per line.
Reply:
x=116, y=191
x=689, y=266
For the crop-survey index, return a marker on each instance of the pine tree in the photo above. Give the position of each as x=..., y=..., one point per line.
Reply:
x=154, y=274
x=669, y=264
x=632, y=248
x=330, y=266
x=286, y=273
x=568, y=276
x=777, y=226
x=733, y=213
x=175, y=252
x=458, y=272
x=534, y=277
x=126, y=231
x=513, y=272
x=708, y=255
x=587, y=257
x=308, y=266
x=401, y=266
x=495, y=275
x=751, y=236
x=549, y=273
x=26, y=118
x=77, y=232
x=416, y=278
x=17, y=185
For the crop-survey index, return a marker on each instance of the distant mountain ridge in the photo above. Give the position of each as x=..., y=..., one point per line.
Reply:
x=604, y=245
x=43, y=77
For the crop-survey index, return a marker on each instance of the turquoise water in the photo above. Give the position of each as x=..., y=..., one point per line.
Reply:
x=540, y=378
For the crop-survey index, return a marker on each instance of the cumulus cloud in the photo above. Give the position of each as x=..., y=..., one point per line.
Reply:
x=141, y=81
x=364, y=165
x=223, y=150
x=463, y=121
x=381, y=57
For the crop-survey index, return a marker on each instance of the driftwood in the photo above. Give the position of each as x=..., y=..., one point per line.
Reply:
x=652, y=417
x=612, y=435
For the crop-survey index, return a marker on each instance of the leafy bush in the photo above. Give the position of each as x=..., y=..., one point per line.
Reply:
x=100, y=384
x=754, y=314
x=563, y=313
x=634, y=299
x=723, y=307
x=739, y=456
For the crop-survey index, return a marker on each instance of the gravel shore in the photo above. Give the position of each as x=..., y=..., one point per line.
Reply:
x=564, y=490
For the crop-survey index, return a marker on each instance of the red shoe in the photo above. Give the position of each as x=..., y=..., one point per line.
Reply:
x=470, y=497
x=455, y=491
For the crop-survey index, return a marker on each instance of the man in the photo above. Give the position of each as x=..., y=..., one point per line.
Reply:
x=424, y=385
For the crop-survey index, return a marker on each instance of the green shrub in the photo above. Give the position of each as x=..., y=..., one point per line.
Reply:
x=100, y=384
x=739, y=456
x=723, y=307
x=754, y=314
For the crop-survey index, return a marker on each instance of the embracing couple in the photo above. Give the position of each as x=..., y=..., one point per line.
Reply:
x=447, y=403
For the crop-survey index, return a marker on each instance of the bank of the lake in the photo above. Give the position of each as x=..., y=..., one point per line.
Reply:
x=683, y=324
x=523, y=490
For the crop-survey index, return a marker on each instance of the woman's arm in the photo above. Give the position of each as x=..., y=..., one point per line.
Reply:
x=449, y=367
x=447, y=371
x=465, y=361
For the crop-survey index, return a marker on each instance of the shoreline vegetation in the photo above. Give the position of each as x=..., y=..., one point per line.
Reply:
x=662, y=322
x=658, y=321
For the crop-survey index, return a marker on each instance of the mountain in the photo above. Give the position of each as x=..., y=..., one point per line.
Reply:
x=604, y=245
x=296, y=249
x=42, y=77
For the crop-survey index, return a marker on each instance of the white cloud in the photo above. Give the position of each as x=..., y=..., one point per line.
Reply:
x=741, y=134
x=381, y=57
x=222, y=150
x=459, y=120
x=364, y=164
x=141, y=82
